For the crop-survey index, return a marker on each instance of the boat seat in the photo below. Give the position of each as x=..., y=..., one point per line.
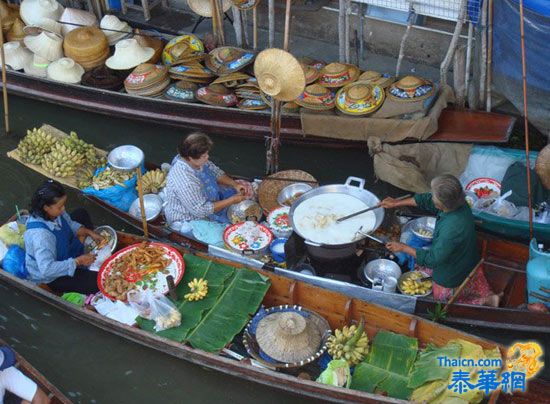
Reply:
x=146, y=6
x=468, y=126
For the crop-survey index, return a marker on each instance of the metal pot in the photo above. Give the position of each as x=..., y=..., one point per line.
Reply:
x=332, y=251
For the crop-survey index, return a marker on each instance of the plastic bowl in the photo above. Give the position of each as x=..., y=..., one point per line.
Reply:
x=126, y=157
x=277, y=248
x=292, y=191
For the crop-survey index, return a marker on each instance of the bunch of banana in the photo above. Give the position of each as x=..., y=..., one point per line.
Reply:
x=110, y=177
x=199, y=289
x=153, y=181
x=411, y=286
x=35, y=145
x=85, y=176
x=62, y=161
x=73, y=142
x=350, y=343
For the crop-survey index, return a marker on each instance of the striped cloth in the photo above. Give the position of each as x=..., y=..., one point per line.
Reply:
x=185, y=197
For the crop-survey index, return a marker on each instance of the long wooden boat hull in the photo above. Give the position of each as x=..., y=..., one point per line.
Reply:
x=337, y=308
x=454, y=126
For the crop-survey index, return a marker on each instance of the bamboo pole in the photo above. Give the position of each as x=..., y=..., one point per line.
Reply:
x=526, y=116
x=215, y=29
x=287, y=25
x=459, y=77
x=404, y=39
x=463, y=284
x=468, y=57
x=219, y=13
x=483, y=59
x=341, y=31
x=454, y=41
x=237, y=25
x=490, y=55
x=361, y=32
x=271, y=16
x=347, y=31
x=255, y=28
x=244, y=17
x=4, y=83
x=141, y=205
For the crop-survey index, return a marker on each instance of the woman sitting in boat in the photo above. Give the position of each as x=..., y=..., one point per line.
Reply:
x=53, y=243
x=196, y=188
x=453, y=253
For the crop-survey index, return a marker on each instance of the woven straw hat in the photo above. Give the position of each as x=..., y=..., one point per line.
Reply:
x=128, y=54
x=44, y=24
x=16, y=32
x=217, y=94
x=17, y=56
x=37, y=67
x=290, y=107
x=279, y=74
x=288, y=337
x=76, y=16
x=411, y=88
x=252, y=105
x=203, y=7
x=311, y=73
x=104, y=78
x=359, y=98
x=228, y=59
x=232, y=80
x=316, y=97
x=269, y=189
x=144, y=76
x=306, y=60
x=181, y=91
x=150, y=42
x=195, y=70
x=184, y=45
x=47, y=45
x=245, y=4
x=8, y=17
x=336, y=75
x=65, y=70
x=88, y=46
x=542, y=166
x=32, y=11
x=114, y=29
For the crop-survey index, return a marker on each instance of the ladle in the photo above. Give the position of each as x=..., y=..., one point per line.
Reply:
x=369, y=209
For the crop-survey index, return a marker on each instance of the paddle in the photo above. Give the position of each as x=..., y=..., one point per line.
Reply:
x=369, y=209
x=464, y=283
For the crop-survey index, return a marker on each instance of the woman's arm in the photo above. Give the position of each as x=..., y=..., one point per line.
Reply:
x=44, y=250
x=390, y=203
x=230, y=182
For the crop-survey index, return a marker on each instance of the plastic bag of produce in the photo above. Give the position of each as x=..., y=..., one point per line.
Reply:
x=155, y=307
x=14, y=262
x=337, y=374
x=12, y=233
x=120, y=196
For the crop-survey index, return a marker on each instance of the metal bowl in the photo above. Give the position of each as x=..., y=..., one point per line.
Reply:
x=406, y=276
x=127, y=157
x=292, y=191
x=152, y=204
x=89, y=244
x=239, y=212
x=381, y=268
x=426, y=223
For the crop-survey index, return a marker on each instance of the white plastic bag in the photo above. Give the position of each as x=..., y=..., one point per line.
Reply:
x=486, y=162
x=100, y=258
x=155, y=307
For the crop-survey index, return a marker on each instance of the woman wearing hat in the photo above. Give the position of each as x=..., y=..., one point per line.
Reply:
x=196, y=188
x=53, y=243
x=453, y=253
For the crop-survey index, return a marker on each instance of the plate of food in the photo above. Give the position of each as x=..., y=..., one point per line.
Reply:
x=484, y=187
x=408, y=284
x=140, y=266
x=109, y=237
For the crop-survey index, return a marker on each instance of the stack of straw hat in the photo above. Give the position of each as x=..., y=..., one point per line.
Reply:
x=181, y=91
x=228, y=59
x=114, y=29
x=410, y=89
x=147, y=80
x=250, y=95
x=88, y=46
x=317, y=98
x=335, y=75
x=65, y=70
x=183, y=49
x=17, y=56
x=73, y=18
x=194, y=73
x=129, y=54
x=16, y=32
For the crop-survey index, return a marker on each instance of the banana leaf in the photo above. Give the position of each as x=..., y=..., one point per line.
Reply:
x=387, y=366
x=427, y=368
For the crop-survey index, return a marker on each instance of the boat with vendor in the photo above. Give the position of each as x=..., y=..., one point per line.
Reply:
x=293, y=236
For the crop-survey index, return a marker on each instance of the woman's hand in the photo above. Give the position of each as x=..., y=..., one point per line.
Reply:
x=237, y=198
x=389, y=203
x=85, y=260
x=395, y=246
x=95, y=236
x=241, y=189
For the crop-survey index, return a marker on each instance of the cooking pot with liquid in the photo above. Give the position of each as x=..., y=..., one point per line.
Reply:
x=333, y=250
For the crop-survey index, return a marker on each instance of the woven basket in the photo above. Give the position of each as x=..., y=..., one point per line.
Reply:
x=269, y=189
x=542, y=166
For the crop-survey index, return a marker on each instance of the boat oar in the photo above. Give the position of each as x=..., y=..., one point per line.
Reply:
x=4, y=84
x=369, y=209
x=464, y=283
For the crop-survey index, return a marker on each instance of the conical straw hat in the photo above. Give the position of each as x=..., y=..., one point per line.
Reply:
x=203, y=7
x=16, y=32
x=65, y=70
x=288, y=337
x=47, y=45
x=411, y=88
x=128, y=54
x=7, y=16
x=17, y=56
x=360, y=98
x=279, y=74
x=316, y=97
x=542, y=166
x=336, y=75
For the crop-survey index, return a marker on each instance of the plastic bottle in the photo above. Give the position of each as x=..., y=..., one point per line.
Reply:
x=538, y=272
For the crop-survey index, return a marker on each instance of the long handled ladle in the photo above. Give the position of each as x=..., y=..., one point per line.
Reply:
x=369, y=209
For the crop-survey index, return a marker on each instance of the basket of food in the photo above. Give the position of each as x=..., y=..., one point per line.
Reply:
x=248, y=238
x=140, y=266
x=415, y=283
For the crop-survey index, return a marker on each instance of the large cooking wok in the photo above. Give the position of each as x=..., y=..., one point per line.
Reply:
x=324, y=250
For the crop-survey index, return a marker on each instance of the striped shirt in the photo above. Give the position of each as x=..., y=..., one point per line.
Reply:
x=185, y=197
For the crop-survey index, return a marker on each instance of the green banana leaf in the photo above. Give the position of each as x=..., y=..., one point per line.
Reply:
x=427, y=368
x=387, y=366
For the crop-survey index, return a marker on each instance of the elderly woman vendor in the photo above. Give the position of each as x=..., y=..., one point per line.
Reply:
x=54, y=251
x=453, y=253
x=196, y=188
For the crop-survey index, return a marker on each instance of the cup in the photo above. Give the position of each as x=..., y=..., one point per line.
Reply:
x=389, y=284
x=377, y=284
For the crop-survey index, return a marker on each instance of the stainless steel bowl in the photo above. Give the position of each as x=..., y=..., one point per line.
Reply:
x=406, y=276
x=426, y=223
x=290, y=191
x=238, y=212
x=127, y=157
x=89, y=244
x=152, y=204
x=381, y=268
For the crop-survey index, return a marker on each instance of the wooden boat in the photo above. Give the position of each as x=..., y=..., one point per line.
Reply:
x=454, y=126
x=337, y=308
x=53, y=393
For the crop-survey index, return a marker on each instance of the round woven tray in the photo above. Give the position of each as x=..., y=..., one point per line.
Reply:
x=269, y=189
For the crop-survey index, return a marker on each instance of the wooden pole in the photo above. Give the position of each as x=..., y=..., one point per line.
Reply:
x=468, y=58
x=490, y=55
x=271, y=16
x=244, y=17
x=347, y=31
x=483, y=58
x=4, y=83
x=464, y=283
x=215, y=29
x=141, y=205
x=219, y=11
x=404, y=40
x=459, y=77
x=526, y=116
x=287, y=25
x=237, y=25
x=341, y=31
x=454, y=41
x=361, y=32
x=255, y=28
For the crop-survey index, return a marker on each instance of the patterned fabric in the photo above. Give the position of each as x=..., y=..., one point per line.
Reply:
x=186, y=195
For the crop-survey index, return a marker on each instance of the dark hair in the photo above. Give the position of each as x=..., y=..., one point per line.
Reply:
x=195, y=145
x=47, y=194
